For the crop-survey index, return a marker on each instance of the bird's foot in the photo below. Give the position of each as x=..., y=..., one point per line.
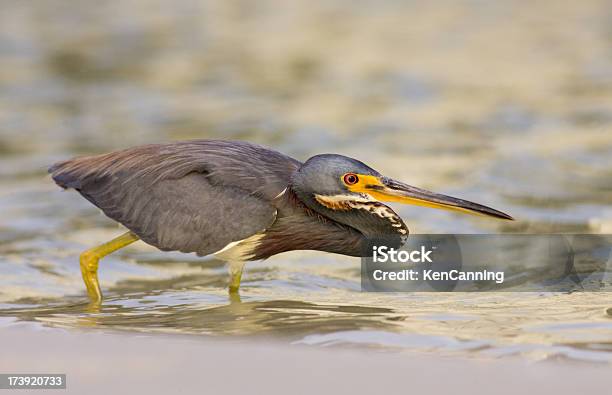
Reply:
x=89, y=270
x=90, y=258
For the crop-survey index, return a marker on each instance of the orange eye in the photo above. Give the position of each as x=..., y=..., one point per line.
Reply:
x=351, y=179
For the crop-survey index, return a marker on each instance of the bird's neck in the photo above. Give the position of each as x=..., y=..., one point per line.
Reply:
x=371, y=218
x=375, y=219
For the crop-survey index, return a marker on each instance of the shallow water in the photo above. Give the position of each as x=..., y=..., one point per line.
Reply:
x=507, y=106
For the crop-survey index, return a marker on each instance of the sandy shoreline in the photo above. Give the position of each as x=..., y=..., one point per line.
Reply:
x=97, y=363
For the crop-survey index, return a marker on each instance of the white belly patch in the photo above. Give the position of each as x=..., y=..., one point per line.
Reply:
x=241, y=250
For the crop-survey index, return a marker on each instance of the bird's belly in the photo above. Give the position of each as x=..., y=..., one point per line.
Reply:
x=240, y=250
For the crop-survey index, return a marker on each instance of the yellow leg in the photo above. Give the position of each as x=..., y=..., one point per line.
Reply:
x=235, y=271
x=89, y=262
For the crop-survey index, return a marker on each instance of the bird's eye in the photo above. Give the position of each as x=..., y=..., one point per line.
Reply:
x=351, y=179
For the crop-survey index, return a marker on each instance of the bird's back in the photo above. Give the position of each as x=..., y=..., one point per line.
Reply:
x=248, y=166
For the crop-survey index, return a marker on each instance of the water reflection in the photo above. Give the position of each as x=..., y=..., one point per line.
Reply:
x=490, y=325
x=286, y=319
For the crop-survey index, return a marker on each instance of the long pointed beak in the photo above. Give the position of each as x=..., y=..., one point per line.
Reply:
x=395, y=191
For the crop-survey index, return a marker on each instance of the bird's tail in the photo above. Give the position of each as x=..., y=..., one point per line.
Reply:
x=74, y=173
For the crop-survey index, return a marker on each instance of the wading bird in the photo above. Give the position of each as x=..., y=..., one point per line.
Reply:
x=240, y=201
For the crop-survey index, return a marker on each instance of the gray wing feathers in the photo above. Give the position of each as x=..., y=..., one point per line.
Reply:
x=250, y=167
x=186, y=196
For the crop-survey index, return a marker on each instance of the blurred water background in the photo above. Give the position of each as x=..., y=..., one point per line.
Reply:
x=507, y=103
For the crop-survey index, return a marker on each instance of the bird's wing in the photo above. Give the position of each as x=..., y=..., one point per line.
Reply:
x=193, y=196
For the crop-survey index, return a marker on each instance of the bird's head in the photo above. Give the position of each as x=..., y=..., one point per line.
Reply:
x=338, y=183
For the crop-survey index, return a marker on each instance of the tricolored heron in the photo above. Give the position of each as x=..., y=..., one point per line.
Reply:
x=240, y=201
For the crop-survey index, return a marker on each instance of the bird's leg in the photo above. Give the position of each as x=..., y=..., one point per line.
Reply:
x=235, y=271
x=89, y=262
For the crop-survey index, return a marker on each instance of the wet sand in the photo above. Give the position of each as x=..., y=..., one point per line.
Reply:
x=103, y=363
